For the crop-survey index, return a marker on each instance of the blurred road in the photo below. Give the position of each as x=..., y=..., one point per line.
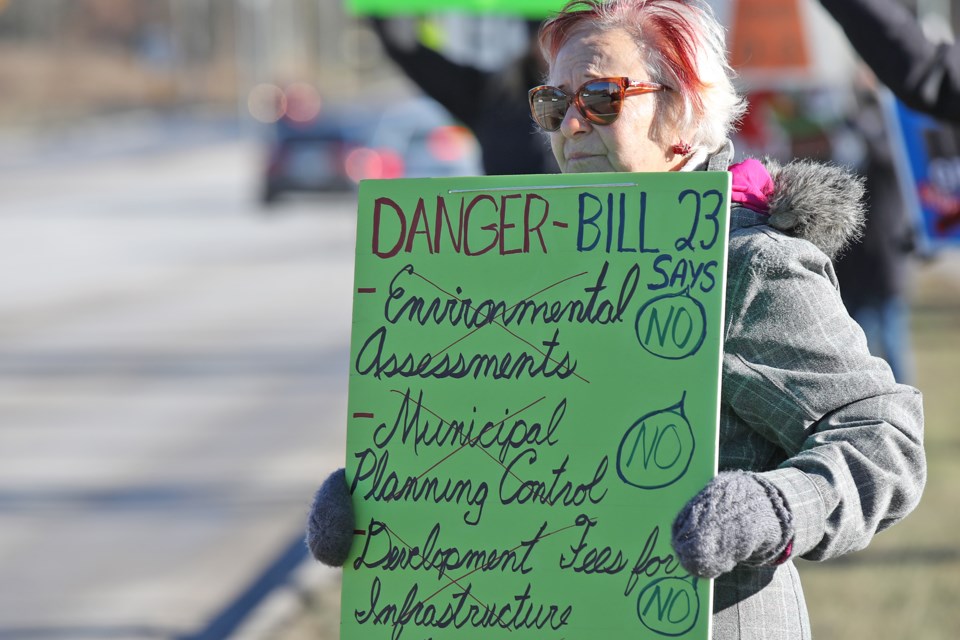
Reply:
x=172, y=382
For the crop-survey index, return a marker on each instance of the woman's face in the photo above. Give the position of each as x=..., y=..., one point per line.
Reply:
x=626, y=145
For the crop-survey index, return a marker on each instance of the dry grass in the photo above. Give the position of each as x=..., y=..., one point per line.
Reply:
x=907, y=583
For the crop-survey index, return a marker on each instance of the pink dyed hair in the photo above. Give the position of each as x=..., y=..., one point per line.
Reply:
x=682, y=46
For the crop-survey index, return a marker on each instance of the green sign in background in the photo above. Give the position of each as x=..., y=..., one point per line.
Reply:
x=528, y=8
x=533, y=396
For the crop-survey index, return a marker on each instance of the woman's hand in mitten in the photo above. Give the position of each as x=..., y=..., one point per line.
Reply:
x=331, y=522
x=738, y=517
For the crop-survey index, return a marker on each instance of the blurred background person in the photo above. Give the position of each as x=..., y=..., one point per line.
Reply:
x=874, y=272
x=925, y=75
x=492, y=103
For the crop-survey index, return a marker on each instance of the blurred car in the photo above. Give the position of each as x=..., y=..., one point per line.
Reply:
x=414, y=138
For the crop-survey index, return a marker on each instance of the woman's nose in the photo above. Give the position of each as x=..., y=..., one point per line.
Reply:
x=574, y=122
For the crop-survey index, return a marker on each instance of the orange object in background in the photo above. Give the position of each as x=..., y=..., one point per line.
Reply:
x=768, y=35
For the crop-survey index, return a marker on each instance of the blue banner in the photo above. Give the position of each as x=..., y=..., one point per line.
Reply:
x=930, y=171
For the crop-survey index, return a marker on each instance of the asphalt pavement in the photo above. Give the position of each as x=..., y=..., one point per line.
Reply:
x=172, y=382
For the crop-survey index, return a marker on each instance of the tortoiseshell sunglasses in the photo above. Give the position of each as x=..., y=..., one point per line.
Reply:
x=599, y=101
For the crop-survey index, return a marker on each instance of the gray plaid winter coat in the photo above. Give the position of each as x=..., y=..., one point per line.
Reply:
x=802, y=399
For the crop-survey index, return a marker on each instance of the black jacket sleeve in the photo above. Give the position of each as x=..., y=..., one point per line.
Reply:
x=926, y=76
x=454, y=86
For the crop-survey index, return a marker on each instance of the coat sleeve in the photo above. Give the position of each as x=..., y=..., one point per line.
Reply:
x=798, y=372
x=925, y=75
x=453, y=85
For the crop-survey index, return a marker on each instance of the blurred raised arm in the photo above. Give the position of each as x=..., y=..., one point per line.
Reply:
x=924, y=75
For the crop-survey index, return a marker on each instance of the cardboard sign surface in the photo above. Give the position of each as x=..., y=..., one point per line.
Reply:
x=534, y=392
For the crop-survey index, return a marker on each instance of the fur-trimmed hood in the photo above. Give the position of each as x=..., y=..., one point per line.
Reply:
x=818, y=202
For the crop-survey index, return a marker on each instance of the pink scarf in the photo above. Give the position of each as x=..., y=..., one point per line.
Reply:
x=751, y=186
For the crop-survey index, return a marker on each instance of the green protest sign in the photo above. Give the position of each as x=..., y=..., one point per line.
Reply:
x=527, y=8
x=534, y=393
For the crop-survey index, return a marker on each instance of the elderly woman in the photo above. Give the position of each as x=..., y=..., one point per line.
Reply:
x=819, y=447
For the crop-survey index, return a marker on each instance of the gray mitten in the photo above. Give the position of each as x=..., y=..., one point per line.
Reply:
x=331, y=522
x=738, y=517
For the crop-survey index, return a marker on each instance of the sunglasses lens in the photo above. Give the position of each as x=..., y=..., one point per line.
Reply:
x=549, y=106
x=601, y=101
